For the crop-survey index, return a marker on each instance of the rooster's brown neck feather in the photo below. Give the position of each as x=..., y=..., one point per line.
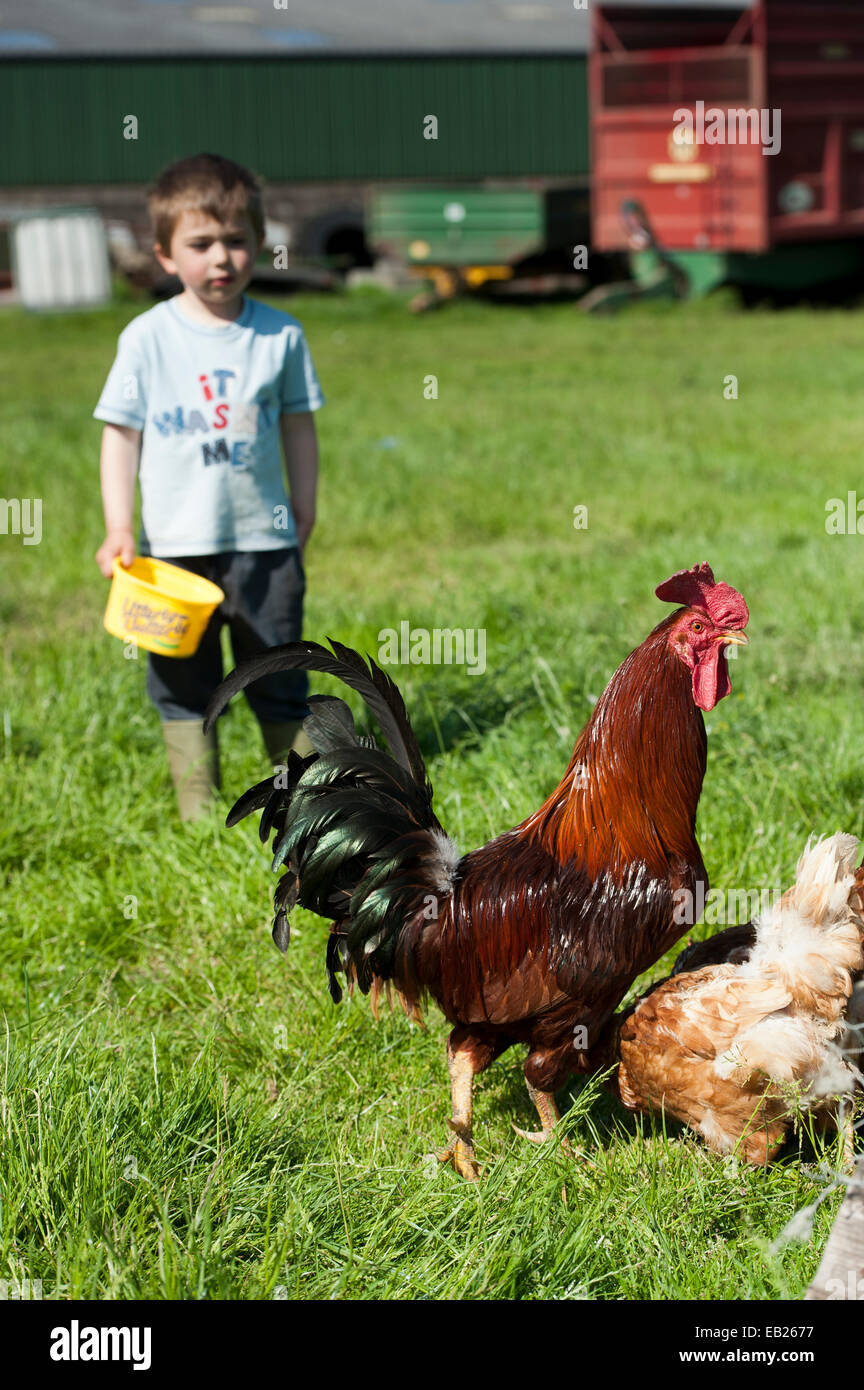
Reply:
x=632, y=787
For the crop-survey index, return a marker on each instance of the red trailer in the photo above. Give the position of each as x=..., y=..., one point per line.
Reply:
x=731, y=140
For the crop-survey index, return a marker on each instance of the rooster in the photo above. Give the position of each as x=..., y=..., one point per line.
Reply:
x=535, y=937
x=755, y=1024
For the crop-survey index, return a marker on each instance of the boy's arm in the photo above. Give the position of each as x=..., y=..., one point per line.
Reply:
x=118, y=467
x=300, y=445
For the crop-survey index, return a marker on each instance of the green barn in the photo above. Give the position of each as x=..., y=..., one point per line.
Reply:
x=322, y=100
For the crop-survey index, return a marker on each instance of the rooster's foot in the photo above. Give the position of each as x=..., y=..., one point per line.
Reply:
x=542, y=1136
x=459, y=1153
x=544, y=1102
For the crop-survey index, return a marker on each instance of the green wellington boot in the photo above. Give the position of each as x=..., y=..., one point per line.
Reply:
x=193, y=758
x=278, y=738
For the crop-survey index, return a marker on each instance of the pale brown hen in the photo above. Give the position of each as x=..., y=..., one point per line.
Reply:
x=736, y=1047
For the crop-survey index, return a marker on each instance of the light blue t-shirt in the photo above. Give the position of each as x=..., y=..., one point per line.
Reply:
x=208, y=400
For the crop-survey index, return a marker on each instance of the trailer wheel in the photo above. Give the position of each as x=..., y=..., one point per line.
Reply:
x=346, y=249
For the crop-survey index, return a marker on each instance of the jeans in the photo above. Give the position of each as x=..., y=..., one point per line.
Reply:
x=263, y=607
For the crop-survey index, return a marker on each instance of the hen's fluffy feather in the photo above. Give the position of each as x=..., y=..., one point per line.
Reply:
x=734, y=1049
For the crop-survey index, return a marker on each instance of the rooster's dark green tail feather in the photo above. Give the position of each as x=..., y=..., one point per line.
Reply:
x=378, y=690
x=353, y=826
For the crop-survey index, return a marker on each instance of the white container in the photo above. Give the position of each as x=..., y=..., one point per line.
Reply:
x=60, y=259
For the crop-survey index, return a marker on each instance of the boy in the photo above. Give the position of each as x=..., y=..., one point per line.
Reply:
x=205, y=386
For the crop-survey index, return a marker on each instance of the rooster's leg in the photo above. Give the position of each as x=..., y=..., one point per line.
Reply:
x=460, y=1150
x=549, y=1117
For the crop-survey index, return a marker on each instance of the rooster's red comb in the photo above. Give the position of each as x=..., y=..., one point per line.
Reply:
x=695, y=588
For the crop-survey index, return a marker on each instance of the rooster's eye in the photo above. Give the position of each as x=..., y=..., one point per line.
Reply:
x=696, y=627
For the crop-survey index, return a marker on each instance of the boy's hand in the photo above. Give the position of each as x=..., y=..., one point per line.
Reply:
x=300, y=444
x=117, y=542
x=303, y=525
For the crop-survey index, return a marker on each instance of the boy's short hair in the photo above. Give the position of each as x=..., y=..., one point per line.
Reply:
x=203, y=183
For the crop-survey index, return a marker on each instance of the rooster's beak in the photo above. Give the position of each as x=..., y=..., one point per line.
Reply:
x=737, y=639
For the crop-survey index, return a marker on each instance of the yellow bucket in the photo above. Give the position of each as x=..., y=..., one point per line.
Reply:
x=160, y=607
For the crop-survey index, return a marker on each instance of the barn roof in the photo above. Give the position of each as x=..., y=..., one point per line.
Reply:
x=299, y=26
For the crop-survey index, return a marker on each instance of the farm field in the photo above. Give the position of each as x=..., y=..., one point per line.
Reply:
x=184, y=1114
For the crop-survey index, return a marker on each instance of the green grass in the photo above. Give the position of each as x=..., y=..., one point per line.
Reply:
x=184, y=1113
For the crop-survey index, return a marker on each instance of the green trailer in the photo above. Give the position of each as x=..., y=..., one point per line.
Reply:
x=470, y=237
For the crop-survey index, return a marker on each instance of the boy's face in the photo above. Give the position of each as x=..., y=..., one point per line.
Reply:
x=212, y=259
